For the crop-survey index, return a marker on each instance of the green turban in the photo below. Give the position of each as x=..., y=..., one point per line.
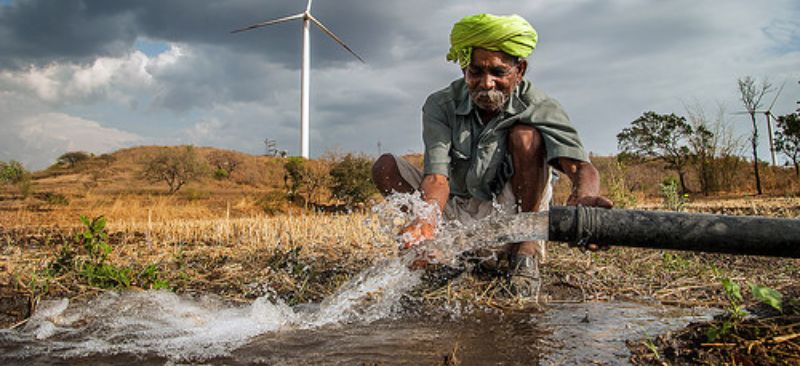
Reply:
x=511, y=34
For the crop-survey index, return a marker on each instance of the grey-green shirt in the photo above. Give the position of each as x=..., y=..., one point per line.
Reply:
x=473, y=155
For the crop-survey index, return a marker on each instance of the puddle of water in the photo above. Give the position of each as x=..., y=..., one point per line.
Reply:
x=587, y=333
x=595, y=333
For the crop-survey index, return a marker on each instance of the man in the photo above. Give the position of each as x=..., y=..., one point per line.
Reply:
x=492, y=137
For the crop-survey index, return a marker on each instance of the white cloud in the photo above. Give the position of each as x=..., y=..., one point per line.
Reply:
x=40, y=138
x=118, y=79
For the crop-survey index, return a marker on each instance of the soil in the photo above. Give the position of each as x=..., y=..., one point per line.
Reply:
x=765, y=337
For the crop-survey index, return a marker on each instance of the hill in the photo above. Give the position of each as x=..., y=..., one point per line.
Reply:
x=243, y=185
x=113, y=185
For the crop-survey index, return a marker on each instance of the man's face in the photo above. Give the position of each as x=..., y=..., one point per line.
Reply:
x=491, y=77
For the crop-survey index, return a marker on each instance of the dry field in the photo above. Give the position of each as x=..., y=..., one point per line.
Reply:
x=215, y=238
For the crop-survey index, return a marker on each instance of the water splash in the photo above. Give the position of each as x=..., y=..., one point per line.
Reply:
x=185, y=329
x=180, y=328
x=454, y=237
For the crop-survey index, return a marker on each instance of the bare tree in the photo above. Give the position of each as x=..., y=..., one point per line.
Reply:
x=751, y=95
x=271, y=147
x=714, y=147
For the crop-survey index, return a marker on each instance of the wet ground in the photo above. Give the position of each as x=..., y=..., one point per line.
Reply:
x=126, y=332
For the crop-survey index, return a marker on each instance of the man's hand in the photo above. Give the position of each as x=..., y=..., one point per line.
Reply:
x=417, y=232
x=591, y=201
x=585, y=188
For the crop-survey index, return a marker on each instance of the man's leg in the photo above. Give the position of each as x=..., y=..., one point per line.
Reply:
x=387, y=177
x=528, y=183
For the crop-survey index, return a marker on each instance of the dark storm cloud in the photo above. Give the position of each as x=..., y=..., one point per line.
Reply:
x=208, y=75
x=606, y=61
x=41, y=31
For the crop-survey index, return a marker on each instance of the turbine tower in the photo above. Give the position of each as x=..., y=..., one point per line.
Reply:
x=771, y=134
x=306, y=65
x=768, y=114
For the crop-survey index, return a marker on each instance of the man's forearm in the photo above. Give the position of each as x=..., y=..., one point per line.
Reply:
x=435, y=189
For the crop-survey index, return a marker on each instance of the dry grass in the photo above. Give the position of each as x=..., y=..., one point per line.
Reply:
x=297, y=258
x=215, y=238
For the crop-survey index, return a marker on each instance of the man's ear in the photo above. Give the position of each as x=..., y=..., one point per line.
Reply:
x=522, y=66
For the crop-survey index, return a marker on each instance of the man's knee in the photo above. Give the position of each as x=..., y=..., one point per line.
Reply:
x=386, y=176
x=523, y=138
x=385, y=163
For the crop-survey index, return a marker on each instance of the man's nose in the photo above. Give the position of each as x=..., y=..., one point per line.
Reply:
x=487, y=81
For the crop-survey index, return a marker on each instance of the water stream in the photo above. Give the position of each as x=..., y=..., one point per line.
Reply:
x=362, y=323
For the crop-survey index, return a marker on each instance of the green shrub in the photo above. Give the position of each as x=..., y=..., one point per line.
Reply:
x=352, y=179
x=272, y=202
x=672, y=198
x=90, y=262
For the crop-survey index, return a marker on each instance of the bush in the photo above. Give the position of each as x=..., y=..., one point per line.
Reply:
x=224, y=163
x=272, y=202
x=352, y=179
x=12, y=172
x=53, y=198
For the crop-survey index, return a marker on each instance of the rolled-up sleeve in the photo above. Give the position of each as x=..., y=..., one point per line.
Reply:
x=437, y=136
x=560, y=138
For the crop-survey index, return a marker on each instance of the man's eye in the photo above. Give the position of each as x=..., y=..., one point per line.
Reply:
x=474, y=71
x=500, y=72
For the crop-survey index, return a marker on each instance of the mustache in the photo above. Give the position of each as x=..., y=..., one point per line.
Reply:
x=489, y=98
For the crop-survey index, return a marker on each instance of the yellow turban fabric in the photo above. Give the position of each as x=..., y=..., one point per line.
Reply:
x=511, y=34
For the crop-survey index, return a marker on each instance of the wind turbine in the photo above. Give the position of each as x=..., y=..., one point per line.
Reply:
x=768, y=114
x=306, y=63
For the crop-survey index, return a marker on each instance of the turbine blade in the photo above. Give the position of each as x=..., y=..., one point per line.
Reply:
x=308, y=6
x=776, y=97
x=269, y=22
x=335, y=38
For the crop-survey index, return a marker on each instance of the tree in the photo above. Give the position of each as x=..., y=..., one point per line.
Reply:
x=174, y=166
x=751, y=95
x=305, y=180
x=352, y=179
x=224, y=163
x=14, y=173
x=714, y=148
x=787, y=138
x=271, y=147
x=662, y=137
x=293, y=179
x=72, y=158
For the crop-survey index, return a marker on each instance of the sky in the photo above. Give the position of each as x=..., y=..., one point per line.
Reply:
x=98, y=75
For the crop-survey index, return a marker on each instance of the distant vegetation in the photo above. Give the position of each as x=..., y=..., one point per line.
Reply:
x=175, y=167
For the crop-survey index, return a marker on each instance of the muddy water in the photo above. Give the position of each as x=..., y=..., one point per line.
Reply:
x=587, y=333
